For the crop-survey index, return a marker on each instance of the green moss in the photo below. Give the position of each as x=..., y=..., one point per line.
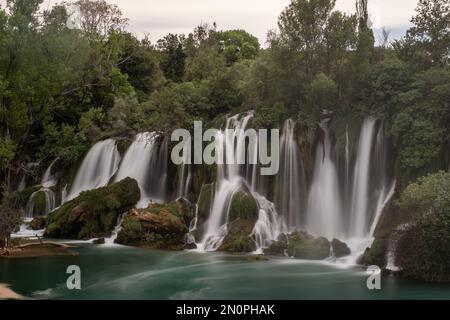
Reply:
x=239, y=237
x=160, y=226
x=204, y=201
x=243, y=206
x=423, y=251
x=39, y=203
x=94, y=213
x=376, y=254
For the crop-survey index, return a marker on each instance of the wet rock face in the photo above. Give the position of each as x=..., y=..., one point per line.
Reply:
x=340, y=249
x=94, y=213
x=160, y=226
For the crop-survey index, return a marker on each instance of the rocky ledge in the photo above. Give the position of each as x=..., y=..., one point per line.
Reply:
x=160, y=226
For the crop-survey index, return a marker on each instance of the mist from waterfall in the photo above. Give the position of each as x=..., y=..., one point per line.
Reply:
x=97, y=168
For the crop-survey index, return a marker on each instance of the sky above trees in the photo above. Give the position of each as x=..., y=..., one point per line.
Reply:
x=160, y=17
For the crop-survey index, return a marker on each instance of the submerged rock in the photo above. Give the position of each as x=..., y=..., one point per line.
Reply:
x=239, y=237
x=94, y=213
x=160, y=226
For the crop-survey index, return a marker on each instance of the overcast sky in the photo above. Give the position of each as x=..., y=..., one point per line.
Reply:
x=160, y=17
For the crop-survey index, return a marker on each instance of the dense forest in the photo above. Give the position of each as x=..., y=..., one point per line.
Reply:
x=74, y=75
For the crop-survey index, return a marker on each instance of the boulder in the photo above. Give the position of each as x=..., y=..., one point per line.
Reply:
x=340, y=249
x=279, y=247
x=238, y=238
x=300, y=245
x=160, y=226
x=94, y=213
x=38, y=223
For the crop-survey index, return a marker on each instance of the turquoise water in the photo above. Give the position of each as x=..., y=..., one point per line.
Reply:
x=132, y=273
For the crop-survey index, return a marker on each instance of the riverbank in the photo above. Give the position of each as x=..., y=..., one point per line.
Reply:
x=35, y=250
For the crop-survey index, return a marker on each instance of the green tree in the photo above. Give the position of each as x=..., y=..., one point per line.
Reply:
x=173, y=61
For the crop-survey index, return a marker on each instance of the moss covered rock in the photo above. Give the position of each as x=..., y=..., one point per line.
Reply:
x=238, y=238
x=376, y=255
x=160, y=226
x=94, y=213
x=310, y=249
x=243, y=206
x=300, y=245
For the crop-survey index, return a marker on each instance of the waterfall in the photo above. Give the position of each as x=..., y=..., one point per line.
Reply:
x=50, y=203
x=147, y=164
x=22, y=184
x=97, y=169
x=231, y=178
x=184, y=178
x=290, y=186
x=111, y=240
x=360, y=195
x=324, y=212
x=268, y=227
x=48, y=181
x=184, y=174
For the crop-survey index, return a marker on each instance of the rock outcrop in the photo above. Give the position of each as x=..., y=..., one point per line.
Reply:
x=94, y=213
x=160, y=226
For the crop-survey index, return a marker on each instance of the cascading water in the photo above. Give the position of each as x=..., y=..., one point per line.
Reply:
x=290, y=187
x=97, y=169
x=48, y=181
x=230, y=147
x=372, y=189
x=360, y=195
x=112, y=239
x=324, y=212
x=184, y=179
x=148, y=166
